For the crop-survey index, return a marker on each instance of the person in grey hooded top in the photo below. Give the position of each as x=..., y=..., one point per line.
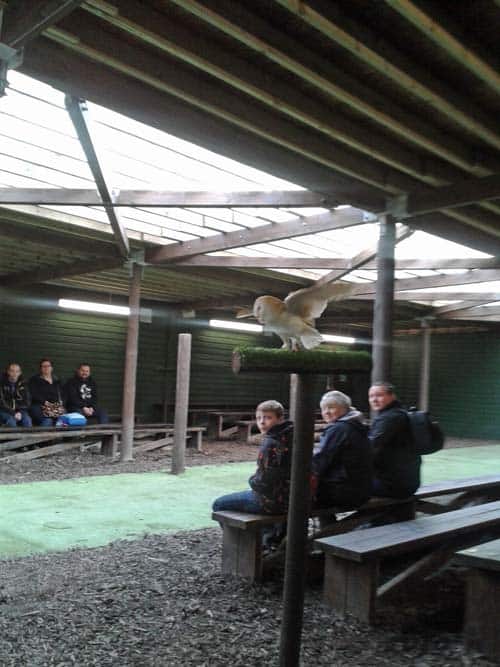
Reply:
x=342, y=463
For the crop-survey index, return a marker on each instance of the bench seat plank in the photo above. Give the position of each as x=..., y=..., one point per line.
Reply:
x=405, y=536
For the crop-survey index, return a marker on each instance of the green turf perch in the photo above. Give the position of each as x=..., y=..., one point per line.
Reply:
x=305, y=364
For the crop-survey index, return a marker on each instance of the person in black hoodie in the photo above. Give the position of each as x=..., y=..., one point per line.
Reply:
x=15, y=398
x=342, y=462
x=81, y=395
x=46, y=391
x=396, y=462
x=270, y=484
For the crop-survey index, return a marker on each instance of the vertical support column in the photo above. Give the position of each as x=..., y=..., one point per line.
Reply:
x=298, y=513
x=293, y=396
x=425, y=366
x=384, y=300
x=130, y=375
x=181, y=403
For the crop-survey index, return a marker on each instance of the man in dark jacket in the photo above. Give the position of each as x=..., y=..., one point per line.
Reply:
x=15, y=398
x=342, y=463
x=81, y=395
x=270, y=484
x=395, y=460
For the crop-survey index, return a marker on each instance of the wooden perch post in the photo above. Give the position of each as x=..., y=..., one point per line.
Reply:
x=305, y=365
x=181, y=403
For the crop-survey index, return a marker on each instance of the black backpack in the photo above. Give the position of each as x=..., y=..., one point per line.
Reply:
x=428, y=436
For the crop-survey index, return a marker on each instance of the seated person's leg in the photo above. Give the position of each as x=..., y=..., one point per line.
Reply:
x=379, y=488
x=101, y=416
x=6, y=419
x=39, y=419
x=241, y=501
x=25, y=420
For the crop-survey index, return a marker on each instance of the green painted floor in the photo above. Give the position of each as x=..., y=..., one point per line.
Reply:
x=93, y=511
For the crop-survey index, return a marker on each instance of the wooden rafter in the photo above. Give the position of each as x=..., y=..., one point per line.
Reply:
x=59, y=271
x=77, y=110
x=24, y=20
x=338, y=219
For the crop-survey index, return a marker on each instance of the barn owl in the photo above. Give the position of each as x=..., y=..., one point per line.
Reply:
x=293, y=319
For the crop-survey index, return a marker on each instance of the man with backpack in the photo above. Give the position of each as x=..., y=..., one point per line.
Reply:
x=396, y=461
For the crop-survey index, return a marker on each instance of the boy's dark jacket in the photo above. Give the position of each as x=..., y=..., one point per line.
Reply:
x=14, y=397
x=80, y=394
x=271, y=481
x=342, y=463
x=395, y=460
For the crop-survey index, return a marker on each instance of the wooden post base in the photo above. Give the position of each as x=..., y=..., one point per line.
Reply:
x=242, y=553
x=109, y=445
x=350, y=587
x=482, y=613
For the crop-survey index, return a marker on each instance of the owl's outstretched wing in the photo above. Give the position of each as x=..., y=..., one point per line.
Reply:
x=309, y=303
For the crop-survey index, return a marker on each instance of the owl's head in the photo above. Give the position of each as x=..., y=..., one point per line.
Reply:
x=267, y=308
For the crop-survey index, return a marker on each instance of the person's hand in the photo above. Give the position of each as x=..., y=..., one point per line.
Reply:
x=17, y=416
x=88, y=412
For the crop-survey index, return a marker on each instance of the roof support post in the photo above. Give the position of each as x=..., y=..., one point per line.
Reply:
x=425, y=365
x=130, y=374
x=77, y=110
x=384, y=302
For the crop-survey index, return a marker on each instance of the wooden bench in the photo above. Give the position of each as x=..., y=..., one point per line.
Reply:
x=242, y=532
x=352, y=561
x=49, y=439
x=218, y=419
x=482, y=607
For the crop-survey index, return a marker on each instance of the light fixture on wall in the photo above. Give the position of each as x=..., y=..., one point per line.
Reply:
x=236, y=326
x=331, y=338
x=92, y=307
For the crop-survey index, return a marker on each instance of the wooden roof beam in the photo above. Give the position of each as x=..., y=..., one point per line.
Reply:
x=474, y=312
x=362, y=258
x=461, y=193
x=434, y=31
x=77, y=111
x=468, y=278
x=367, y=47
x=24, y=20
x=166, y=198
x=337, y=219
x=331, y=263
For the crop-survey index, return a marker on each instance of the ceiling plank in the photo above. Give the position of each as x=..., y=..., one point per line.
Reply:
x=423, y=295
x=337, y=219
x=47, y=237
x=62, y=270
x=77, y=111
x=166, y=198
x=24, y=20
x=477, y=312
x=446, y=41
x=338, y=85
x=386, y=60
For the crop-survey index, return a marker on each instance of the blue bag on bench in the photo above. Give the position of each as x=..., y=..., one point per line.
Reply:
x=73, y=419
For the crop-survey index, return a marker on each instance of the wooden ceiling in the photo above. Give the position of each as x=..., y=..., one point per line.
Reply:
x=374, y=104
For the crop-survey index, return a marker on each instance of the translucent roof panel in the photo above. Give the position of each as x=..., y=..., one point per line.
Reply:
x=39, y=148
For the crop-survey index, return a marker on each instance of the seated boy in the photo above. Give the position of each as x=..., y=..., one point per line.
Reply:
x=342, y=463
x=270, y=485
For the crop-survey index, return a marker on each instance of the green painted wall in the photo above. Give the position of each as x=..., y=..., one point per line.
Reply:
x=465, y=381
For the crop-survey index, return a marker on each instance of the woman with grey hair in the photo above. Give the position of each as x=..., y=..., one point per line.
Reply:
x=342, y=463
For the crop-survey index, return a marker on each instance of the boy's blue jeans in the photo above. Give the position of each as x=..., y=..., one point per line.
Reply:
x=9, y=420
x=241, y=501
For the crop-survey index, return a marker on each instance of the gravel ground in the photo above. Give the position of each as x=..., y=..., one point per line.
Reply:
x=88, y=463
x=161, y=602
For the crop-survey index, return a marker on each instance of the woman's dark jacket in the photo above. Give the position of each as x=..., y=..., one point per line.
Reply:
x=342, y=463
x=14, y=396
x=395, y=461
x=271, y=481
x=42, y=391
